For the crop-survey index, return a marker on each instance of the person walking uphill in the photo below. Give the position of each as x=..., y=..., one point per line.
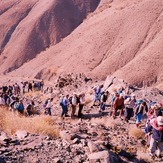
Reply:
x=74, y=100
x=156, y=141
x=103, y=100
x=48, y=107
x=130, y=108
x=139, y=112
x=64, y=104
x=118, y=105
x=81, y=104
x=98, y=91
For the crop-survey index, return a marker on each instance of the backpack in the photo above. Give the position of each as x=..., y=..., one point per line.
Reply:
x=16, y=105
x=70, y=100
x=104, y=98
x=21, y=107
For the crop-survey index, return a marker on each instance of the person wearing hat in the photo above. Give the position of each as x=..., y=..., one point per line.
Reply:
x=156, y=141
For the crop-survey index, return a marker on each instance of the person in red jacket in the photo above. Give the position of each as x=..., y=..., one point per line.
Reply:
x=118, y=105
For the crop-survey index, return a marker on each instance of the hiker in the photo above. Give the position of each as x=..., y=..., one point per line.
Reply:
x=64, y=102
x=98, y=91
x=30, y=107
x=23, y=87
x=140, y=111
x=19, y=106
x=103, y=100
x=16, y=89
x=48, y=107
x=42, y=85
x=156, y=141
x=10, y=89
x=129, y=112
x=73, y=101
x=118, y=105
x=4, y=89
x=153, y=112
x=81, y=104
x=29, y=86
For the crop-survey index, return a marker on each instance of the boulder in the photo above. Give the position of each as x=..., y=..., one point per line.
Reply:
x=3, y=136
x=105, y=157
x=92, y=146
x=65, y=135
x=21, y=134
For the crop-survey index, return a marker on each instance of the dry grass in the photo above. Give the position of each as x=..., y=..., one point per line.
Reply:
x=10, y=123
x=105, y=121
x=136, y=132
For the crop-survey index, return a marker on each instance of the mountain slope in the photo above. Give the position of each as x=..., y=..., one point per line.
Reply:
x=120, y=38
x=29, y=27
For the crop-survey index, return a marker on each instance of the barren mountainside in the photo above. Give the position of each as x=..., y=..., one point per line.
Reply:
x=29, y=27
x=119, y=38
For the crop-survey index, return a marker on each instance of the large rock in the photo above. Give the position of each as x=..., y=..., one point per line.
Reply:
x=92, y=146
x=105, y=157
x=3, y=136
x=21, y=134
x=65, y=135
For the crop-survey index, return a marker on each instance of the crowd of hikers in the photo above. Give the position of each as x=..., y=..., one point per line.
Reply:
x=122, y=105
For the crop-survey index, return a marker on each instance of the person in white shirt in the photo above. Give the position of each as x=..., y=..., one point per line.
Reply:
x=73, y=104
x=48, y=107
x=130, y=108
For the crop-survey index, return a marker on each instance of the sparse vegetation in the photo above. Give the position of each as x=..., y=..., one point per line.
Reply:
x=136, y=132
x=105, y=121
x=11, y=122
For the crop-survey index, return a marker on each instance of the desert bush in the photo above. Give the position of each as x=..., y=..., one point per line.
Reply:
x=11, y=122
x=136, y=132
x=105, y=121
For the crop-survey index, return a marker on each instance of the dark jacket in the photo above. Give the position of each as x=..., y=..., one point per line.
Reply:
x=140, y=109
x=157, y=134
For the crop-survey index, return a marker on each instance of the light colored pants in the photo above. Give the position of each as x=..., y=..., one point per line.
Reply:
x=155, y=147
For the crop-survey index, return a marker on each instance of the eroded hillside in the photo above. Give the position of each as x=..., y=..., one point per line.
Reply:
x=120, y=38
x=29, y=27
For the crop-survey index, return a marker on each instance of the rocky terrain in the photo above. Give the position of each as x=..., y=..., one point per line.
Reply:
x=101, y=37
x=74, y=45
x=94, y=138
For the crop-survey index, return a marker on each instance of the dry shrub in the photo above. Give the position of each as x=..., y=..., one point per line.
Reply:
x=11, y=122
x=136, y=132
x=105, y=121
